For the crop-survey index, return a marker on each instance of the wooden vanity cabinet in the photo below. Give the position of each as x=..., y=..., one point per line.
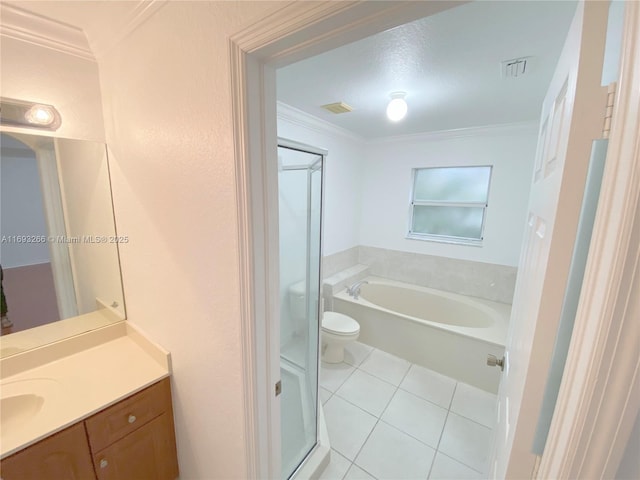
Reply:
x=131, y=440
x=134, y=439
x=63, y=455
x=146, y=453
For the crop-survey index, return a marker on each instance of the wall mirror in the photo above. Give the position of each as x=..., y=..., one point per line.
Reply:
x=59, y=251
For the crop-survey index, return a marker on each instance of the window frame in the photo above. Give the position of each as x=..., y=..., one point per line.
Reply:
x=432, y=237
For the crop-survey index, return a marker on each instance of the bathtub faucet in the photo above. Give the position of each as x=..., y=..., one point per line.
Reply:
x=354, y=290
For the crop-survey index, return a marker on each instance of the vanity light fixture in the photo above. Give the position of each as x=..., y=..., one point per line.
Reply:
x=397, y=108
x=18, y=113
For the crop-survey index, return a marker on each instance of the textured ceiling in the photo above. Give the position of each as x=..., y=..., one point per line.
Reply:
x=449, y=65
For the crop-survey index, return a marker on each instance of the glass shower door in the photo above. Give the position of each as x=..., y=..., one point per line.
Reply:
x=300, y=213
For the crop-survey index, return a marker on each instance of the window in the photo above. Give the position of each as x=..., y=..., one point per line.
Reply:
x=449, y=204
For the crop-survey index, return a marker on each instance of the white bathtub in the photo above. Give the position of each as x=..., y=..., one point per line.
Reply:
x=446, y=332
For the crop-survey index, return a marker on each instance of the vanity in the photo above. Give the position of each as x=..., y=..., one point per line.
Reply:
x=84, y=394
x=94, y=406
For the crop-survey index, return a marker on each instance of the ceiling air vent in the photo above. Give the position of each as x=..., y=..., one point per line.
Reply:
x=516, y=67
x=338, y=107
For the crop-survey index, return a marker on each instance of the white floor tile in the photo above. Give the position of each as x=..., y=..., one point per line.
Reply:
x=332, y=375
x=356, y=352
x=417, y=417
x=337, y=468
x=367, y=392
x=430, y=385
x=356, y=473
x=466, y=441
x=324, y=395
x=474, y=403
x=348, y=426
x=391, y=454
x=446, y=468
x=388, y=367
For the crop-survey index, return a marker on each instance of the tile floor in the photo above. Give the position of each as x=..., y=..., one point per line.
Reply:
x=389, y=419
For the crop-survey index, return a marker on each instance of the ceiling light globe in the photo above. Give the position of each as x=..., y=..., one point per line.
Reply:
x=397, y=109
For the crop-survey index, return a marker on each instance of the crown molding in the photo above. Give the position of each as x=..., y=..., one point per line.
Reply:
x=21, y=24
x=298, y=117
x=486, y=130
x=26, y=26
x=142, y=12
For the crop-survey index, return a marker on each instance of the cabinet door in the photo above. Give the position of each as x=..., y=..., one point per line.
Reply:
x=146, y=453
x=64, y=455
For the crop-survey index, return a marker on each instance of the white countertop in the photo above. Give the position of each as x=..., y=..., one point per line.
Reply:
x=77, y=378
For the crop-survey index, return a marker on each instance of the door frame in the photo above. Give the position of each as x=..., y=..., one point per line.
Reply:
x=591, y=427
x=299, y=30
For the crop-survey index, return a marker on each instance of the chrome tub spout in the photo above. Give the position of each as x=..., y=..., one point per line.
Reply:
x=354, y=290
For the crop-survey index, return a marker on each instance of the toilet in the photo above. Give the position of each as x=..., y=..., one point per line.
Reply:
x=338, y=330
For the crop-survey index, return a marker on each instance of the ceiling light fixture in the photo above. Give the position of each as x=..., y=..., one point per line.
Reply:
x=397, y=108
x=28, y=114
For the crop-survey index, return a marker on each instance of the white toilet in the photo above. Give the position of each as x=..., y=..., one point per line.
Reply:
x=338, y=330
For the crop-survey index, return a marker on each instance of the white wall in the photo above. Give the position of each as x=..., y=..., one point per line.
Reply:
x=386, y=189
x=70, y=83
x=368, y=184
x=166, y=94
x=86, y=197
x=343, y=173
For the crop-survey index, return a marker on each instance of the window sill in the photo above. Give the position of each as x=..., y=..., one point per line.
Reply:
x=441, y=239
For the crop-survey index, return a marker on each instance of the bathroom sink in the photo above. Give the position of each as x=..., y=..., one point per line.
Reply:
x=18, y=409
x=22, y=401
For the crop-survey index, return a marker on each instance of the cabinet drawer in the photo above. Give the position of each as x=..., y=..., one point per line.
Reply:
x=148, y=453
x=115, y=422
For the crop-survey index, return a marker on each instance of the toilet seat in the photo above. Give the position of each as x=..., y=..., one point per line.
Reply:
x=339, y=324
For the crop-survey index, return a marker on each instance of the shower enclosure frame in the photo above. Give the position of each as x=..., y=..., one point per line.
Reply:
x=320, y=443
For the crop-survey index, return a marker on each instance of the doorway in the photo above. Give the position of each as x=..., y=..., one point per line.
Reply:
x=261, y=60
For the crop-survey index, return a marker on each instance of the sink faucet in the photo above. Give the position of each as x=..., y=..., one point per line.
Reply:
x=354, y=290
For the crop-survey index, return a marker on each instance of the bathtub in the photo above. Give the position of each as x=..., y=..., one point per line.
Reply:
x=446, y=332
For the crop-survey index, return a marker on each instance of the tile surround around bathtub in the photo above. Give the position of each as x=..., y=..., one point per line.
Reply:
x=341, y=280
x=476, y=279
x=337, y=262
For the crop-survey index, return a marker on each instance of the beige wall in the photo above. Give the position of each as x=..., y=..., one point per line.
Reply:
x=168, y=126
x=70, y=83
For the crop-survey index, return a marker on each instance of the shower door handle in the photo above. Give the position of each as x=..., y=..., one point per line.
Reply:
x=494, y=361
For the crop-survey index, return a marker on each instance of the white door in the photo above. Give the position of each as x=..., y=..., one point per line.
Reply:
x=572, y=116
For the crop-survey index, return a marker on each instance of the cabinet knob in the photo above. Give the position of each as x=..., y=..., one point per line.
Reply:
x=132, y=418
x=104, y=463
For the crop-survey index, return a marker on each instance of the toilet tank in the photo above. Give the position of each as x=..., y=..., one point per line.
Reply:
x=297, y=304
